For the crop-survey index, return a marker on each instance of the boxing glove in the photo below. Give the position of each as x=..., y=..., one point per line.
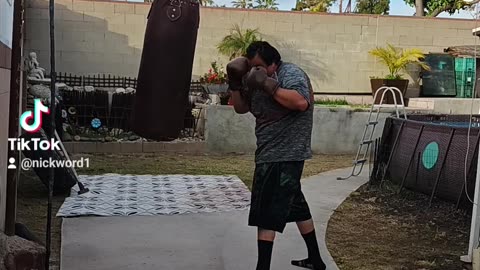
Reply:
x=236, y=70
x=258, y=79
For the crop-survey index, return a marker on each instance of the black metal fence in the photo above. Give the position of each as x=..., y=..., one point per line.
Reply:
x=103, y=113
x=100, y=80
x=81, y=108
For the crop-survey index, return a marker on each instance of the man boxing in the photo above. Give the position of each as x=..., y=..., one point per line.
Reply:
x=280, y=96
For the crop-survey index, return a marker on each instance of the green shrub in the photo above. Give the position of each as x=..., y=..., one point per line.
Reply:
x=334, y=102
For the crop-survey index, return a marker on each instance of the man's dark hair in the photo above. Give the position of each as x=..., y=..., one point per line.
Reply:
x=265, y=51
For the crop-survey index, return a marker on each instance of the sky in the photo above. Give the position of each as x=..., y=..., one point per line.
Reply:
x=397, y=7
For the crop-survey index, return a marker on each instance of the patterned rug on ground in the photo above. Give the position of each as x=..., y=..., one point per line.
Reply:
x=150, y=195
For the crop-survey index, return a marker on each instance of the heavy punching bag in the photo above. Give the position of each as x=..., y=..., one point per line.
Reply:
x=164, y=77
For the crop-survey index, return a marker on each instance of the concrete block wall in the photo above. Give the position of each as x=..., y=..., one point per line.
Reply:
x=107, y=37
x=448, y=105
x=91, y=37
x=229, y=132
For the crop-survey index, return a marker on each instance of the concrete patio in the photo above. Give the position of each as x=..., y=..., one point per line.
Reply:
x=213, y=241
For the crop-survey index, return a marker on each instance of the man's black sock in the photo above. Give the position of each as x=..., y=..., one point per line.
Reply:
x=314, y=260
x=264, y=254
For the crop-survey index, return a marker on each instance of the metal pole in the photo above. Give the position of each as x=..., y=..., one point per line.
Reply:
x=470, y=167
x=51, y=132
x=475, y=226
x=411, y=159
x=14, y=114
x=394, y=147
x=437, y=180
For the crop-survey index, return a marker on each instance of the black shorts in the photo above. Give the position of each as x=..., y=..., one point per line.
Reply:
x=277, y=197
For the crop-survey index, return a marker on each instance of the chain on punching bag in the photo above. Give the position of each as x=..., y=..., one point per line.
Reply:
x=165, y=70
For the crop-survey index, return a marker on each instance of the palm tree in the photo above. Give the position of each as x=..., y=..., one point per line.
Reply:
x=242, y=4
x=314, y=5
x=206, y=2
x=235, y=44
x=266, y=4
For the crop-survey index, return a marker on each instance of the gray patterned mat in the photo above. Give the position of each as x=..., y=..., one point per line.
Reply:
x=149, y=195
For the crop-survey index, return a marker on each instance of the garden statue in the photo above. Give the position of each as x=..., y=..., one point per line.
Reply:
x=162, y=90
x=34, y=71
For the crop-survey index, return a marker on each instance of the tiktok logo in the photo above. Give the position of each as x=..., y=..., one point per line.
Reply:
x=38, y=108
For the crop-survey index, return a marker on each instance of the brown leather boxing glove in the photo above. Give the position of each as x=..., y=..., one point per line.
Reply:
x=258, y=79
x=236, y=70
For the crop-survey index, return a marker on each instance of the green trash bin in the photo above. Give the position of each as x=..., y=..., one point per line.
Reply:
x=465, y=74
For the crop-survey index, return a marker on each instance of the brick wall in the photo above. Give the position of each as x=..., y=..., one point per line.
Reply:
x=107, y=37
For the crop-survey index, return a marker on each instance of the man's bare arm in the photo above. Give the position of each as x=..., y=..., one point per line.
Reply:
x=239, y=103
x=291, y=99
x=236, y=71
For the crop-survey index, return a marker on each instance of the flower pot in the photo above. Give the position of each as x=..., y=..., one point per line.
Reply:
x=213, y=88
x=224, y=98
x=402, y=85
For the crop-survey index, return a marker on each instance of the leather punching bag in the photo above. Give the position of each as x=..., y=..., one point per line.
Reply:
x=164, y=77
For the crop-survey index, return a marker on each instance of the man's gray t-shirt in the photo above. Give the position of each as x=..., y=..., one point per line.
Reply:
x=283, y=134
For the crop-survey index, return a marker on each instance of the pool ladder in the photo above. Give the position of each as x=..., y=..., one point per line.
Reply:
x=367, y=139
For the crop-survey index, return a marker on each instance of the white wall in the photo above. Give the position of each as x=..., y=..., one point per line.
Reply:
x=6, y=30
x=6, y=22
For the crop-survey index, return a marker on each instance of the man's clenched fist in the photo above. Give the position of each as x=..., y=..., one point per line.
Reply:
x=258, y=79
x=236, y=69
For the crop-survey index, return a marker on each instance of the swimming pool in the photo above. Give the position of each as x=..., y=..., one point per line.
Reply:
x=427, y=153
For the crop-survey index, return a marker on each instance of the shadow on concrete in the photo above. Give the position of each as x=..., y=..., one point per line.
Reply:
x=317, y=70
x=84, y=44
x=413, y=71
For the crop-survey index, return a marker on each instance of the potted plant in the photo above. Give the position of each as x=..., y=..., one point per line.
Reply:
x=215, y=82
x=396, y=60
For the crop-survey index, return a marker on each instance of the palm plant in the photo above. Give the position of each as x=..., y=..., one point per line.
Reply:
x=314, y=5
x=266, y=4
x=206, y=2
x=397, y=60
x=322, y=6
x=242, y=4
x=236, y=43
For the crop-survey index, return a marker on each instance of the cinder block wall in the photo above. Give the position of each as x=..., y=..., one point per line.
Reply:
x=107, y=37
x=229, y=132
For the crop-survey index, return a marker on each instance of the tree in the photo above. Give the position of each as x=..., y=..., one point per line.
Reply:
x=420, y=8
x=242, y=4
x=236, y=43
x=314, y=5
x=373, y=7
x=206, y=2
x=433, y=8
x=266, y=4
